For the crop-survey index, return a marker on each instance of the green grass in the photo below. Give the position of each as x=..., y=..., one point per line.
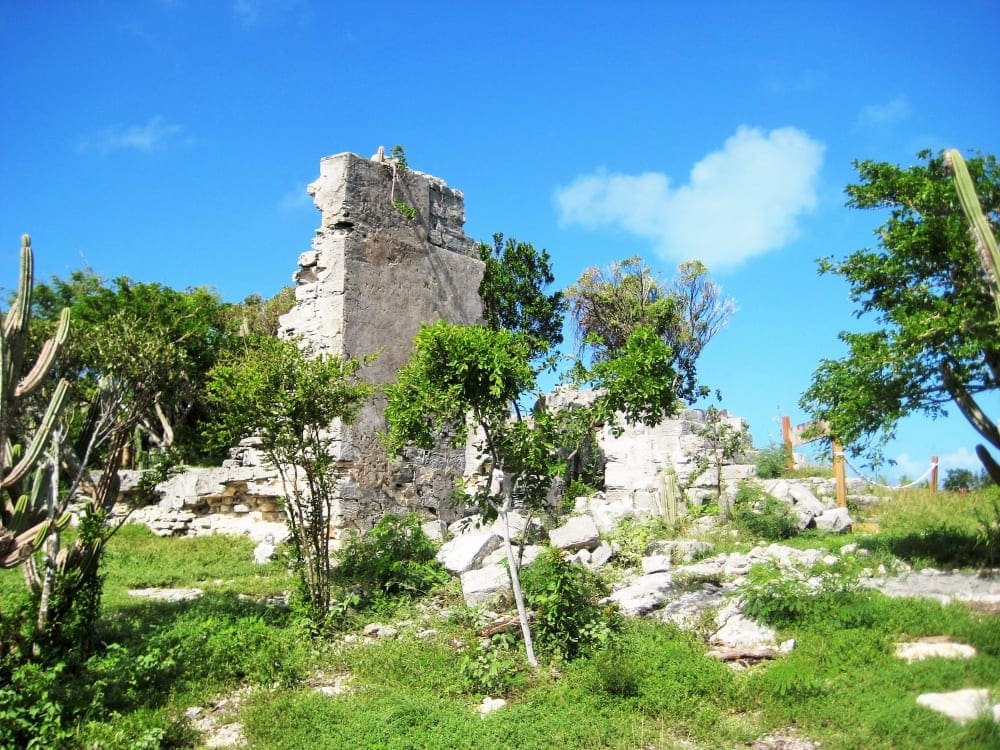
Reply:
x=654, y=687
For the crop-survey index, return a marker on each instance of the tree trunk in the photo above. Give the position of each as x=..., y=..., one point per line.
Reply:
x=515, y=577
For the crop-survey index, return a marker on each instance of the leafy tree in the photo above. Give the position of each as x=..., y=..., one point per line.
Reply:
x=180, y=332
x=937, y=338
x=273, y=390
x=964, y=479
x=257, y=316
x=471, y=378
x=608, y=305
x=514, y=279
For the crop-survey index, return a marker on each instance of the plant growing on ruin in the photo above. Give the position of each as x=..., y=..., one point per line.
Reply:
x=290, y=401
x=726, y=443
x=470, y=379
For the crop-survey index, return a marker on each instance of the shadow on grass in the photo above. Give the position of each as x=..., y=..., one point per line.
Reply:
x=941, y=546
x=153, y=649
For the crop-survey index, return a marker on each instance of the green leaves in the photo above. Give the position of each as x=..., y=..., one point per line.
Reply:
x=456, y=370
x=609, y=305
x=937, y=337
x=514, y=278
x=275, y=391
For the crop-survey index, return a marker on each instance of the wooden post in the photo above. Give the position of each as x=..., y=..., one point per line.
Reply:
x=839, y=473
x=934, y=474
x=786, y=435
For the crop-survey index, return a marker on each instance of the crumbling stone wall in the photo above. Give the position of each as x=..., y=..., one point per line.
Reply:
x=373, y=275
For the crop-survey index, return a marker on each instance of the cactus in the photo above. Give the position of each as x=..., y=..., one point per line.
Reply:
x=989, y=258
x=979, y=225
x=22, y=531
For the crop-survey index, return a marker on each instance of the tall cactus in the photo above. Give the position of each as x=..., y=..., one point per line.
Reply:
x=989, y=257
x=979, y=225
x=22, y=531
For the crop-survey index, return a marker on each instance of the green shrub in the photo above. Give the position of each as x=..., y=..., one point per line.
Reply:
x=762, y=516
x=493, y=668
x=33, y=707
x=563, y=595
x=395, y=558
x=772, y=461
x=784, y=598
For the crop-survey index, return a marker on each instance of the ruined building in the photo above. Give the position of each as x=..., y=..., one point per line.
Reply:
x=390, y=254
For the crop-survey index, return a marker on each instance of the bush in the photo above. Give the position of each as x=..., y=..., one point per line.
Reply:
x=395, y=558
x=761, y=515
x=772, y=462
x=563, y=595
x=785, y=598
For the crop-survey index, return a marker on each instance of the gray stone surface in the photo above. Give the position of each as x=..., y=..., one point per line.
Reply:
x=371, y=278
x=643, y=594
x=483, y=585
x=836, y=520
x=920, y=650
x=467, y=551
x=579, y=532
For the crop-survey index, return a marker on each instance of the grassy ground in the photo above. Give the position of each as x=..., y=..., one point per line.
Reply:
x=653, y=687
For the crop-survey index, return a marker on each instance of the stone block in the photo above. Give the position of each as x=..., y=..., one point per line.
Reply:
x=579, y=532
x=467, y=551
x=483, y=585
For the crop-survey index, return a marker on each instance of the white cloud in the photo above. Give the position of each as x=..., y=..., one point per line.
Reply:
x=741, y=201
x=155, y=134
x=881, y=115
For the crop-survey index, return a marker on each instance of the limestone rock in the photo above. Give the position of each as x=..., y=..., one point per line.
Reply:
x=643, y=594
x=579, y=532
x=961, y=705
x=483, y=585
x=489, y=705
x=467, y=551
x=920, y=650
x=837, y=520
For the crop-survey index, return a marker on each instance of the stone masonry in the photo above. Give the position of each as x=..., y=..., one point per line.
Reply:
x=373, y=275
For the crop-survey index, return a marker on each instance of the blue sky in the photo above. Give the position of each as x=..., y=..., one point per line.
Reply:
x=171, y=141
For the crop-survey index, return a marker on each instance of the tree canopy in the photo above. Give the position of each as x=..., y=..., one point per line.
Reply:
x=608, y=305
x=513, y=292
x=936, y=338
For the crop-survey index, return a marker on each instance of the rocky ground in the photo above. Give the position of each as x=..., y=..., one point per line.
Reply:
x=681, y=581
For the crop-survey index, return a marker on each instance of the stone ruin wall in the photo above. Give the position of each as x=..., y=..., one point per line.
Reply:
x=372, y=277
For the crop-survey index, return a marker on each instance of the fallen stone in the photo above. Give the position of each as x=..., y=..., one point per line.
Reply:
x=167, y=595
x=380, y=630
x=579, y=532
x=834, y=520
x=643, y=594
x=483, y=585
x=467, y=551
x=602, y=555
x=263, y=553
x=742, y=632
x=961, y=705
x=691, y=607
x=489, y=705
x=656, y=564
x=920, y=650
